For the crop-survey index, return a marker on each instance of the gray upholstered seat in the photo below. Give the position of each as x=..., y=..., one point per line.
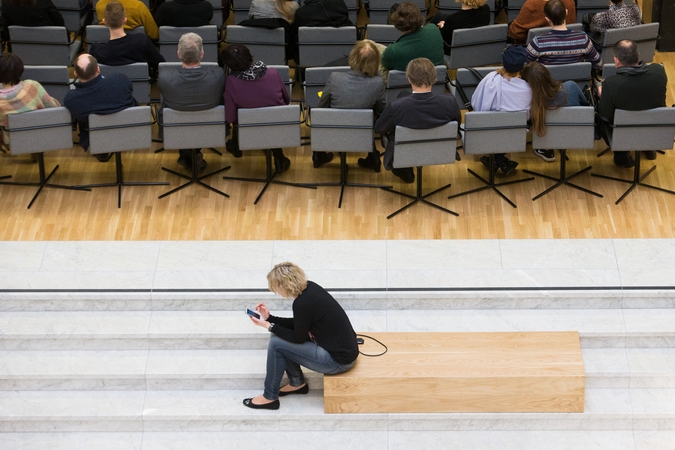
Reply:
x=382, y=34
x=264, y=129
x=567, y=128
x=315, y=81
x=490, y=132
x=54, y=79
x=37, y=132
x=653, y=129
x=169, y=37
x=343, y=131
x=474, y=47
x=545, y=30
x=379, y=9
x=217, y=18
x=419, y=148
x=267, y=45
x=139, y=75
x=130, y=129
x=71, y=11
x=581, y=73
x=608, y=70
x=43, y=46
x=644, y=35
x=397, y=82
x=99, y=34
x=193, y=130
x=318, y=46
x=240, y=10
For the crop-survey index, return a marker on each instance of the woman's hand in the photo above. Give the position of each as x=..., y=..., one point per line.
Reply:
x=441, y=24
x=261, y=323
x=263, y=310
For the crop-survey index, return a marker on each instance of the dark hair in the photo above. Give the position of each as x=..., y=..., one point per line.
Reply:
x=544, y=90
x=11, y=69
x=237, y=57
x=24, y=3
x=555, y=11
x=626, y=51
x=407, y=17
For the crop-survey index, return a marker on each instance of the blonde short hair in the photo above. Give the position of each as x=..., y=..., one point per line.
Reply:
x=287, y=278
x=365, y=58
x=472, y=3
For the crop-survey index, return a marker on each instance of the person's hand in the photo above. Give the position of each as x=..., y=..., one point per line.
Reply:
x=261, y=323
x=441, y=24
x=600, y=90
x=263, y=310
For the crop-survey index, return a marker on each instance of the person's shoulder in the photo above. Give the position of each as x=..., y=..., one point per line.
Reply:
x=656, y=69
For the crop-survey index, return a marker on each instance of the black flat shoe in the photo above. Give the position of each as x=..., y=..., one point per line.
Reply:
x=302, y=390
x=249, y=402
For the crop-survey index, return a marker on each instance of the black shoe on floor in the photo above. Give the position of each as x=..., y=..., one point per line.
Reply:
x=281, y=164
x=249, y=402
x=201, y=163
x=486, y=162
x=407, y=174
x=547, y=155
x=232, y=148
x=507, y=166
x=624, y=159
x=103, y=157
x=372, y=162
x=321, y=158
x=302, y=390
x=650, y=154
x=186, y=162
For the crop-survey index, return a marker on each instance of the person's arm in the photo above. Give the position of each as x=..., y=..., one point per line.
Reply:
x=600, y=23
x=591, y=55
x=54, y=15
x=388, y=57
x=284, y=92
x=606, y=106
x=532, y=52
x=148, y=22
x=301, y=321
x=381, y=101
x=230, y=105
x=324, y=100
x=153, y=55
x=46, y=99
x=386, y=123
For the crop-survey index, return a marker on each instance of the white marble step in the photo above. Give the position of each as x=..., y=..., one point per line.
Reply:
x=201, y=410
x=140, y=330
x=245, y=369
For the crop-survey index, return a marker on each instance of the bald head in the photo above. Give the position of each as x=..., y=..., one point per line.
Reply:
x=86, y=68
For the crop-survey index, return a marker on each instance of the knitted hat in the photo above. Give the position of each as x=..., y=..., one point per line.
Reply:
x=514, y=58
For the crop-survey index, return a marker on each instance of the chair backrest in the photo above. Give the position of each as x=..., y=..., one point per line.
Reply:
x=513, y=9
x=285, y=73
x=353, y=7
x=217, y=19
x=39, y=131
x=487, y=132
x=466, y=81
x=570, y=127
x=532, y=32
x=129, y=129
x=592, y=6
x=99, y=34
x=315, y=81
x=43, y=46
x=190, y=129
x=267, y=45
x=342, y=130
x=318, y=46
x=434, y=146
x=270, y=127
x=653, y=129
x=453, y=5
x=71, y=11
x=580, y=73
x=644, y=35
x=379, y=9
x=608, y=70
x=398, y=82
x=382, y=34
x=473, y=47
x=54, y=79
x=169, y=37
x=139, y=75
x=240, y=9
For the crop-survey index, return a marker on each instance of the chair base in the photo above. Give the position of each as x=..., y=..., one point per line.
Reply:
x=490, y=183
x=418, y=197
x=44, y=181
x=637, y=179
x=563, y=179
x=344, y=170
x=119, y=182
x=269, y=179
x=195, y=178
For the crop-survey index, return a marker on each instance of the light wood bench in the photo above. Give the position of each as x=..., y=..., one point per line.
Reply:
x=462, y=372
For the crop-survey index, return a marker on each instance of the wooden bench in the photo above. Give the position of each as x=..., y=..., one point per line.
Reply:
x=462, y=372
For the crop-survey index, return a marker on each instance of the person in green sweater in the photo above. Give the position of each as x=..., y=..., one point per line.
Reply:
x=417, y=41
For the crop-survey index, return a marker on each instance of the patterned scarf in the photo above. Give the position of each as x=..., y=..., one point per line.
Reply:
x=254, y=72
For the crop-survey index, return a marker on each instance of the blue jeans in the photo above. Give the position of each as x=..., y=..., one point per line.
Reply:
x=284, y=356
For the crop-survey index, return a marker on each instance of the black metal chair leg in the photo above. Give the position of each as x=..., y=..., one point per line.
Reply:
x=418, y=197
x=195, y=178
x=562, y=179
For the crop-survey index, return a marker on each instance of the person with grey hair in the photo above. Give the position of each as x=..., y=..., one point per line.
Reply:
x=191, y=88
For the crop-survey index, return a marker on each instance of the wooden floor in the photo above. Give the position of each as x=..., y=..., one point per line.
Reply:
x=295, y=213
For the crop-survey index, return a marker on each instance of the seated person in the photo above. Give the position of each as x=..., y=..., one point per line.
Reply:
x=532, y=16
x=417, y=41
x=184, y=13
x=317, y=13
x=421, y=110
x=137, y=14
x=29, y=13
x=474, y=14
x=360, y=88
x=123, y=48
x=560, y=45
x=18, y=96
x=251, y=85
x=273, y=9
x=548, y=94
x=619, y=15
x=504, y=90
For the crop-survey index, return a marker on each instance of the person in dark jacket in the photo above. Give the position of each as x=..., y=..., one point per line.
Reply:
x=317, y=13
x=29, y=13
x=474, y=13
x=319, y=336
x=184, y=13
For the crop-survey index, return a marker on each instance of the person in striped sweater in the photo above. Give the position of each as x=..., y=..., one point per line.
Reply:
x=560, y=45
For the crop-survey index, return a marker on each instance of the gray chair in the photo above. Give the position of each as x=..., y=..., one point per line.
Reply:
x=490, y=132
x=264, y=129
x=474, y=47
x=466, y=82
x=193, y=130
x=397, y=82
x=100, y=34
x=591, y=6
x=138, y=73
x=318, y=46
x=266, y=45
x=343, y=131
x=419, y=148
x=644, y=35
x=513, y=9
x=315, y=82
x=451, y=6
x=37, y=132
x=169, y=37
x=71, y=11
x=608, y=70
x=43, y=46
x=581, y=73
x=240, y=9
x=382, y=34
x=570, y=127
x=379, y=9
x=130, y=129
x=653, y=129
x=54, y=79
x=545, y=30
x=217, y=18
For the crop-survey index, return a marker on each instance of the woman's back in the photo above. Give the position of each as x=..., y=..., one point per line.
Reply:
x=43, y=13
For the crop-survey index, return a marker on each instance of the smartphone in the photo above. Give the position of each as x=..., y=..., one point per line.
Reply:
x=253, y=314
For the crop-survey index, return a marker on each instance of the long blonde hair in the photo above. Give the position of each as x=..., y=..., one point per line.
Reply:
x=284, y=7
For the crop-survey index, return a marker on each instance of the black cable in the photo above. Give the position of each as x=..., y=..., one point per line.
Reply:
x=372, y=338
